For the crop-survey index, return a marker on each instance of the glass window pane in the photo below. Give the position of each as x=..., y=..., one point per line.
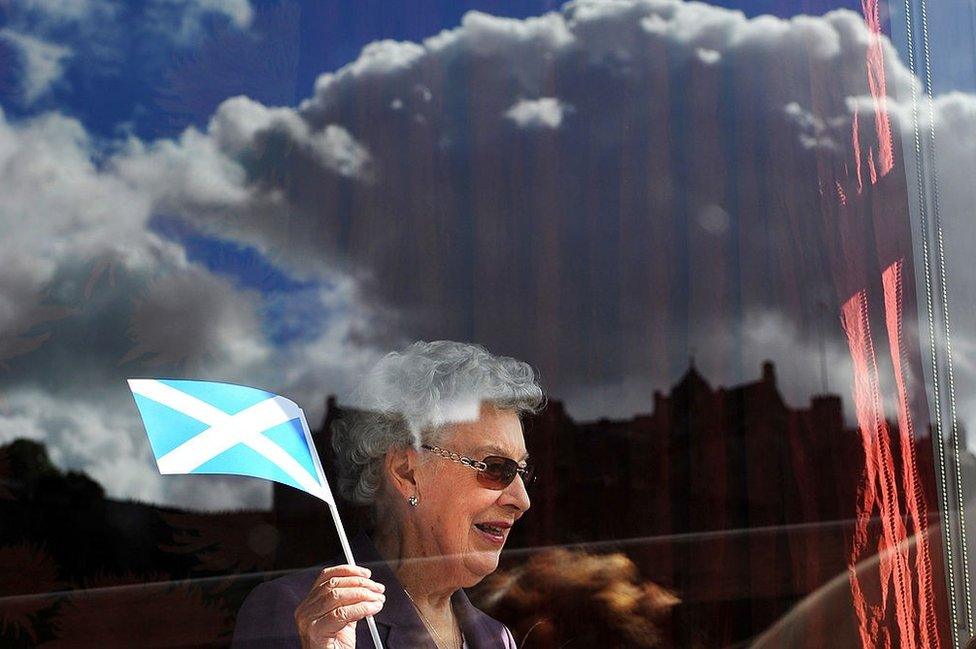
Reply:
x=731, y=241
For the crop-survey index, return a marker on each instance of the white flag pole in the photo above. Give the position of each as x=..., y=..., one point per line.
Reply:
x=348, y=552
x=326, y=495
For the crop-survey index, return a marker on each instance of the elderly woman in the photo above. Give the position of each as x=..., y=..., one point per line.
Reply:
x=437, y=453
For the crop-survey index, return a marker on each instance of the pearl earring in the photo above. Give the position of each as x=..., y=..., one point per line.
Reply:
x=413, y=500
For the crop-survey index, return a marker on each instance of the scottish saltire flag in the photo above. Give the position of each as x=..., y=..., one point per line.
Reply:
x=209, y=427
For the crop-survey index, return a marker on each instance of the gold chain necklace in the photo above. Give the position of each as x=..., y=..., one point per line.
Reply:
x=438, y=640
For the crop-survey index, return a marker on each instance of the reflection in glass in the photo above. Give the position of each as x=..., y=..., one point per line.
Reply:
x=714, y=233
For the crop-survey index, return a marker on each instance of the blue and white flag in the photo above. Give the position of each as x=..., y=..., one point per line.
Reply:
x=210, y=427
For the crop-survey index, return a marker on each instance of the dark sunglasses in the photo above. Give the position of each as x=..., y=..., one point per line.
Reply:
x=494, y=472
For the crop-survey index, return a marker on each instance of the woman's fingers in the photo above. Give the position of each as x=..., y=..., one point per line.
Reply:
x=318, y=596
x=326, y=600
x=343, y=570
x=350, y=582
x=350, y=605
x=341, y=595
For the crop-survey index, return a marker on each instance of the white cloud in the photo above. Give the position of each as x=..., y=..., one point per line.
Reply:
x=545, y=112
x=339, y=151
x=63, y=215
x=385, y=57
x=239, y=119
x=191, y=171
x=707, y=56
x=42, y=63
x=333, y=362
x=82, y=264
x=56, y=206
x=193, y=319
x=815, y=132
x=953, y=123
x=487, y=35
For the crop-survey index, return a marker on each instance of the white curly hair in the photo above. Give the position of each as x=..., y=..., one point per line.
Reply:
x=412, y=397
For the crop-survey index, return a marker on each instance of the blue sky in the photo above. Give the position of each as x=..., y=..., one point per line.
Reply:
x=132, y=78
x=123, y=75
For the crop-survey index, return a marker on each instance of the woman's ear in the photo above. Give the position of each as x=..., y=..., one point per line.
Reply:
x=400, y=466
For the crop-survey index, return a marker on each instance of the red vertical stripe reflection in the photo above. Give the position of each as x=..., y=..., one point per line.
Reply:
x=856, y=149
x=883, y=161
x=890, y=481
x=870, y=614
x=907, y=596
x=914, y=496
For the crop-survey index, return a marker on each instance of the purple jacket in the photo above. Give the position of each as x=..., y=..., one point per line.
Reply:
x=267, y=617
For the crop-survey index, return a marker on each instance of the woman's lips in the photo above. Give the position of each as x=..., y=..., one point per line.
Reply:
x=493, y=531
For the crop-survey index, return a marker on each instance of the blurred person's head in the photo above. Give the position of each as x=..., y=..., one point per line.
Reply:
x=561, y=597
x=436, y=451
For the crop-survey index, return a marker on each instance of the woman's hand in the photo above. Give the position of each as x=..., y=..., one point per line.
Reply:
x=341, y=596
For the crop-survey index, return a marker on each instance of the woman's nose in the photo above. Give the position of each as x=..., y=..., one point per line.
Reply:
x=516, y=495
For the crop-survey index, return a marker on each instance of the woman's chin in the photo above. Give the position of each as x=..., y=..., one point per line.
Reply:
x=482, y=556
x=479, y=564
